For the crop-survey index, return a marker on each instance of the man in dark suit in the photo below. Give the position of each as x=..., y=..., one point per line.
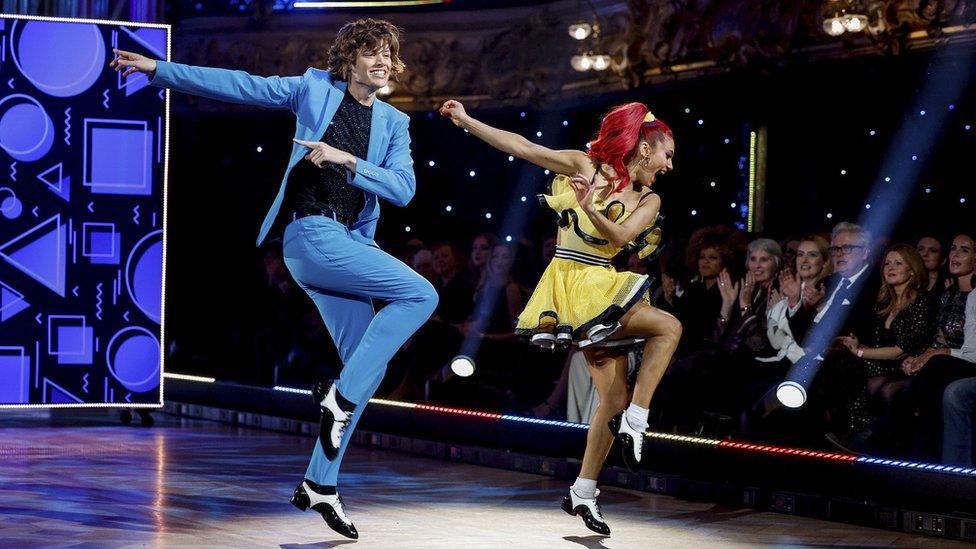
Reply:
x=844, y=307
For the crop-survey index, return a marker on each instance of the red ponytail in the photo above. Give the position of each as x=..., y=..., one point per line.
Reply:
x=620, y=132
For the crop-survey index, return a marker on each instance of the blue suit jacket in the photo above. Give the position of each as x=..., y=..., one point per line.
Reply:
x=314, y=97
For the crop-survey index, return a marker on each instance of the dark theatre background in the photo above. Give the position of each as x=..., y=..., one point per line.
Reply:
x=829, y=126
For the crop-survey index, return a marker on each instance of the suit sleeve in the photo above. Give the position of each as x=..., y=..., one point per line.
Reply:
x=393, y=180
x=231, y=86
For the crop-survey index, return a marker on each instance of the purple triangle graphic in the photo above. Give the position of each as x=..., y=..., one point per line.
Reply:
x=54, y=178
x=40, y=253
x=11, y=302
x=56, y=394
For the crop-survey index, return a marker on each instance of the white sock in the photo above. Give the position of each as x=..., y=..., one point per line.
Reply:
x=584, y=488
x=637, y=417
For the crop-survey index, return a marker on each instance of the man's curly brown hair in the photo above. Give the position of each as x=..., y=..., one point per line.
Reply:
x=364, y=35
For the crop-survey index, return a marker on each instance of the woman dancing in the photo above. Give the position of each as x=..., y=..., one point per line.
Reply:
x=604, y=205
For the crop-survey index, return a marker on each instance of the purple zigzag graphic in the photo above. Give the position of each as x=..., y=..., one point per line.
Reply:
x=135, y=218
x=85, y=386
x=67, y=126
x=105, y=95
x=13, y=171
x=98, y=301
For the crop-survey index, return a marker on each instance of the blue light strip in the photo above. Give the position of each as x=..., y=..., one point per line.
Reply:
x=919, y=466
x=552, y=422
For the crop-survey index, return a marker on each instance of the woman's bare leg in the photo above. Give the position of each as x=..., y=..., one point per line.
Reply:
x=609, y=372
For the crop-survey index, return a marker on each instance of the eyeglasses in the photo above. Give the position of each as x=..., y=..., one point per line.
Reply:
x=846, y=249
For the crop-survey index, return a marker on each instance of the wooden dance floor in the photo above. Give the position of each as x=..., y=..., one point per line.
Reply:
x=95, y=483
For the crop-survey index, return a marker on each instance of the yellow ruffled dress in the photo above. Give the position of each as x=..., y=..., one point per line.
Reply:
x=581, y=297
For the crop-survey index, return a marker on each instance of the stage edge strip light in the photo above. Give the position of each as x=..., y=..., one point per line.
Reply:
x=373, y=4
x=662, y=436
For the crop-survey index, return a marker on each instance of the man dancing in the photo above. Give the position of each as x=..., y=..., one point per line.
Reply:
x=350, y=150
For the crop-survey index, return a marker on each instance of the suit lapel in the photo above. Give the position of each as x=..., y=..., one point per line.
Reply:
x=331, y=106
x=377, y=133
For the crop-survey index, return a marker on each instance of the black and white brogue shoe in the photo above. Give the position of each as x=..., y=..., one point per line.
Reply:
x=327, y=502
x=631, y=440
x=334, y=419
x=588, y=510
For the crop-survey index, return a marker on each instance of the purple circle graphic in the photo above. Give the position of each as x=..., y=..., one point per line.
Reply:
x=76, y=64
x=133, y=359
x=26, y=131
x=144, y=275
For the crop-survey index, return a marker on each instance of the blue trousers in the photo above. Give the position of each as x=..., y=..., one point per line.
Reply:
x=958, y=408
x=342, y=276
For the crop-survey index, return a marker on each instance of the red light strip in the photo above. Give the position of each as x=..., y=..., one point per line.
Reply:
x=458, y=411
x=787, y=451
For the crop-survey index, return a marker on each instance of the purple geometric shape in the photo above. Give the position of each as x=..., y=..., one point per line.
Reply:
x=40, y=253
x=133, y=357
x=118, y=157
x=11, y=302
x=55, y=346
x=75, y=337
x=58, y=184
x=52, y=393
x=101, y=243
x=79, y=61
x=26, y=131
x=144, y=275
x=14, y=376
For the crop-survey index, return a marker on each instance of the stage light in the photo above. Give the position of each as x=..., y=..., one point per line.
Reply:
x=962, y=200
x=581, y=63
x=522, y=114
x=431, y=163
x=547, y=172
x=524, y=199
x=701, y=122
x=867, y=206
x=968, y=127
x=601, y=62
x=733, y=204
x=872, y=132
x=538, y=134
x=580, y=30
x=727, y=140
x=448, y=208
x=928, y=190
x=855, y=23
x=565, y=122
x=888, y=179
x=471, y=173
x=260, y=148
x=407, y=228
x=511, y=158
x=922, y=113
x=830, y=215
x=508, y=238
x=914, y=157
x=712, y=184
x=791, y=394
x=687, y=110
x=462, y=366
x=488, y=215
x=694, y=212
x=843, y=172
x=833, y=26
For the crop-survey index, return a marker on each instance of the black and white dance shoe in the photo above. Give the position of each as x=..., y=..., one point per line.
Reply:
x=631, y=440
x=329, y=505
x=588, y=510
x=334, y=419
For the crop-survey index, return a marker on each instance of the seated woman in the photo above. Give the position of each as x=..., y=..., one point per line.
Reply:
x=903, y=325
x=954, y=354
x=812, y=268
x=934, y=259
x=710, y=251
x=723, y=380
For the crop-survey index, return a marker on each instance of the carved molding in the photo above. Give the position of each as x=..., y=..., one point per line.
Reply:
x=520, y=56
